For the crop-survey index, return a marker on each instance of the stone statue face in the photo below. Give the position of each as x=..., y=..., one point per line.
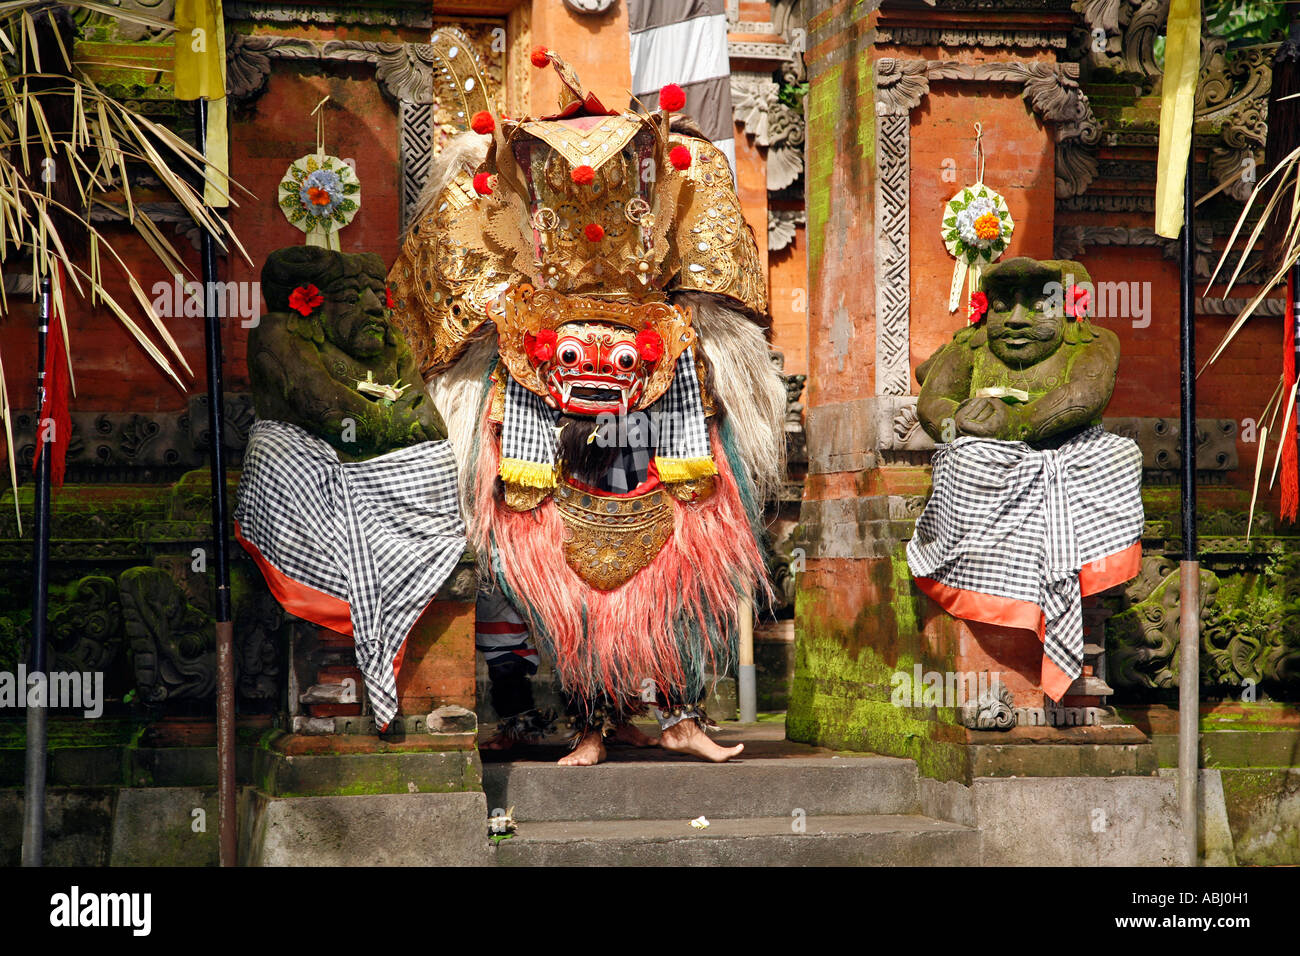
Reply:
x=353, y=315
x=1022, y=331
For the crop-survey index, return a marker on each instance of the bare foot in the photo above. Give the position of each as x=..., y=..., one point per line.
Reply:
x=589, y=752
x=686, y=736
x=633, y=736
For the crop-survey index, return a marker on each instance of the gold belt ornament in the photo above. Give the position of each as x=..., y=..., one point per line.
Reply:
x=607, y=540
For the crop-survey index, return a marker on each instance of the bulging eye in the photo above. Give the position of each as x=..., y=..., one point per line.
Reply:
x=1000, y=305
x=625, y=357
x=568, y=353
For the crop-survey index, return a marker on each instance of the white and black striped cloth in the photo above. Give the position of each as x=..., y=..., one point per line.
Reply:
x=685, y=42
x=1010, y=521
x=380, y=535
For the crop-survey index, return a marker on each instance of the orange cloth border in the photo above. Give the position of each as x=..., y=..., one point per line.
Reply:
x=298, y=599
x=1095, y=576
x=313, y=605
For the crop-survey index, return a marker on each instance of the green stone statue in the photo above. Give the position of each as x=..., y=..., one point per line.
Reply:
x=339, y=371
x=1033, y=370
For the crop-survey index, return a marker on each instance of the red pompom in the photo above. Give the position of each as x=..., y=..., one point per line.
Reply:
x=594, y=231
x=680, y=157
x=649, y=345
x=544, y=345
x=482, y=122
x=672, y=98
x=540, y=56
x=582, y=175
x=483, y=184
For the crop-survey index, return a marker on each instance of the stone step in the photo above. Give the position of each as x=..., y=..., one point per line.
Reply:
x=682, y=789
x=843, y=840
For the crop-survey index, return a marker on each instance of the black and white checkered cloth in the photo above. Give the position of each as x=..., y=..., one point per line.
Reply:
x=528, y=430
x=683, y=432
x=381, y=535
x=1013, y=522
x=676, y=420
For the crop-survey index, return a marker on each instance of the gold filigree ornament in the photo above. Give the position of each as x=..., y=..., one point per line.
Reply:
x=589, y=203
x=526, y=311
x=607, y=540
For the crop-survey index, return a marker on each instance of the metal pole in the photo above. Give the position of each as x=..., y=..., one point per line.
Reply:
x=1189, y=592
x=227, y=825
x=34, y=784
x=746, y=676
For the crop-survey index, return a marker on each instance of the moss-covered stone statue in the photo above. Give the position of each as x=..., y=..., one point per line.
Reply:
x=323, y=355
x=1032, y=369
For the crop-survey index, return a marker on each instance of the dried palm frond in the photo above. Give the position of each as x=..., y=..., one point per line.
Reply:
x=65, y=146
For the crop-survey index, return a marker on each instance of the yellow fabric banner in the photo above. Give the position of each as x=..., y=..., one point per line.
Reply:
x=200, y=50
x=200, y=71
x=1177, y=106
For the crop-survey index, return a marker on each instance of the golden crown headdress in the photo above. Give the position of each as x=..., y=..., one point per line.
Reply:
x=586, y=202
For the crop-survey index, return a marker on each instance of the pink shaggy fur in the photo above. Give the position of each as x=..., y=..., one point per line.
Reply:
x=710, y=560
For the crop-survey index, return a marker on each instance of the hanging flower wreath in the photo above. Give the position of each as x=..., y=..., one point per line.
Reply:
x=977, y=225
x=976, y=229
x=320, y=193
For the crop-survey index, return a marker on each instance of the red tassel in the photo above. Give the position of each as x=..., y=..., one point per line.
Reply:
x=1290, y=452
x=54, y=410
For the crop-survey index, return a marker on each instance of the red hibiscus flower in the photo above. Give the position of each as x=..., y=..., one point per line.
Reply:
x=1077, y=300
x=543, y=346
x=305, y=298
x=650, y=345
x=979, y=306
x=388, y=298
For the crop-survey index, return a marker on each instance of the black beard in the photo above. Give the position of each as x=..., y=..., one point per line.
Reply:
x=585, y=460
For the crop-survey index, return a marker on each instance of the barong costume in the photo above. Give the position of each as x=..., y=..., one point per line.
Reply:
x=548, y=275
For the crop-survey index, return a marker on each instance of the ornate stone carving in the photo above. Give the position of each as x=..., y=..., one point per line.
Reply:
x=128, y=446
x=1234, y=93
x=969, y=36
x=893, y=254
x=900, y=85
x=781, y=225
x=172, y=643
x=1142, y=639
x=299, y=14
x=85, y=633
x=994, y=710
x=1216, y=442
x=1122, y=34
x=95, y=25
x=589, y=6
